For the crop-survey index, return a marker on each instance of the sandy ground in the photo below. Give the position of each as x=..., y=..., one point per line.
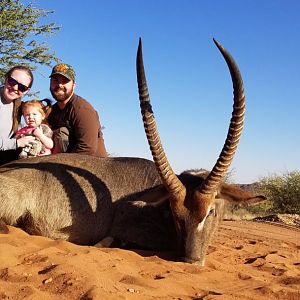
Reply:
x=247, y=260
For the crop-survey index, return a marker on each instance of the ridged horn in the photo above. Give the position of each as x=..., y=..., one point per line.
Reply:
x=170, y=180
x=235, y=128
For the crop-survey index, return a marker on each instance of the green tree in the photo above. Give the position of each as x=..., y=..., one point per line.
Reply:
x=283, y=191
x=20, y=28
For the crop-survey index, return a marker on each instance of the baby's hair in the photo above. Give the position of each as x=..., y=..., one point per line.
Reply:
x=44, y=109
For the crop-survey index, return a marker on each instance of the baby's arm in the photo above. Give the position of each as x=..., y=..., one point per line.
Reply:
x=45, y=140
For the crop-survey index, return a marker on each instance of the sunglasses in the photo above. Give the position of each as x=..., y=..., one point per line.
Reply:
x=21, y=87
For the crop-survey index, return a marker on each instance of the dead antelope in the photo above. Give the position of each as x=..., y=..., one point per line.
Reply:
x=84, y=199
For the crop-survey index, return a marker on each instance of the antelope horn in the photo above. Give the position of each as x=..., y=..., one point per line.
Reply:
x=170, y=180
x=235, y=128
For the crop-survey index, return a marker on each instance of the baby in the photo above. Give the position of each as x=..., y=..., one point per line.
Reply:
x=34, y=113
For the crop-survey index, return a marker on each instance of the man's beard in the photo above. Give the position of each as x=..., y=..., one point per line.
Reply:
x=61, y=96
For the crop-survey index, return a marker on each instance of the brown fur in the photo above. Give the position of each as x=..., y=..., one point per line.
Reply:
x=84, y=199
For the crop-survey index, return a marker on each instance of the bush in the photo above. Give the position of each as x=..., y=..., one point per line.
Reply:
x=283, y=192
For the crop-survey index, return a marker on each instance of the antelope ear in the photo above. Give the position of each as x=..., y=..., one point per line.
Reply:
x=154, y=197
x=235, y=194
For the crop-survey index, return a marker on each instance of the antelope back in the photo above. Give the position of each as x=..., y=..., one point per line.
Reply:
x=71, y=196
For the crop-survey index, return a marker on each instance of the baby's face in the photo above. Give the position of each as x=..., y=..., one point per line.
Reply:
x=32, y=116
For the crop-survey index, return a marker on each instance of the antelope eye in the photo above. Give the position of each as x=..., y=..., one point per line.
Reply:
x=212, y=212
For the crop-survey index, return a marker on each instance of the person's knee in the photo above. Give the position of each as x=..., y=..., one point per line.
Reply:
x=61, y=140
x=62, y=132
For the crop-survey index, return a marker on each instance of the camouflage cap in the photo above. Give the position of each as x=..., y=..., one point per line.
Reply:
x=64, y=70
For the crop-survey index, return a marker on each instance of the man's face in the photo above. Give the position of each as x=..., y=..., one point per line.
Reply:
x=61, y=87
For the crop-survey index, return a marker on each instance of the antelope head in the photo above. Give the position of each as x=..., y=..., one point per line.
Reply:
x=196, y=202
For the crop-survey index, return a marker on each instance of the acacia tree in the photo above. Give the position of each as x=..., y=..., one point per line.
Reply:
x=20, y=28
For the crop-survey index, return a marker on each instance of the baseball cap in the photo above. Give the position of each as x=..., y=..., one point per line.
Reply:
x=64, y=70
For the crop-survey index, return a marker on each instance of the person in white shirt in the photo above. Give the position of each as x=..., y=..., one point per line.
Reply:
x=17, y=82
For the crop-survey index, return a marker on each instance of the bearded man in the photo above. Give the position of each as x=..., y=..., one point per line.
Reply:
x=75, y=123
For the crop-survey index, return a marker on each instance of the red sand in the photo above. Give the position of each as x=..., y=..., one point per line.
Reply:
x=246, y=260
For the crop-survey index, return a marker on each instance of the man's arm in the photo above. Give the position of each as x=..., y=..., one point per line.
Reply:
x=88, y=137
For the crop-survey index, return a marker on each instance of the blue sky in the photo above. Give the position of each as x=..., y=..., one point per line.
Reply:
x=190, y=86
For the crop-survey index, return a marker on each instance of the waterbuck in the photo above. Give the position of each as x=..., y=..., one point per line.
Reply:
x=84, y=199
